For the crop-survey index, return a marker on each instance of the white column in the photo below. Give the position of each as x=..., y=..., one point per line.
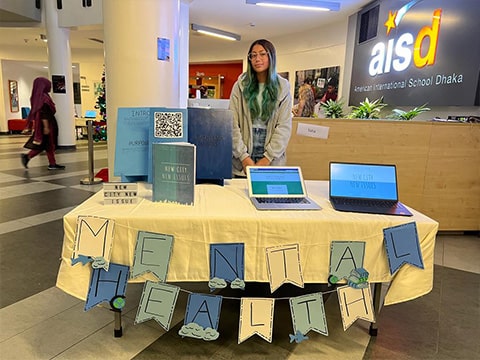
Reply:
x=135, y=77
x=60, y=63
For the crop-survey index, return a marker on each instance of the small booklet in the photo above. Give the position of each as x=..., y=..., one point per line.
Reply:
x=174, y=172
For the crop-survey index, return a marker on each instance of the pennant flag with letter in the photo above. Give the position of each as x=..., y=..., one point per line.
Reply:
x=402, y=245
x=107, y=285
x=152, y=254
x=355, y=304
x=202, y=317
x=256, y=317
x=308, y=313
x=93, y=239
x=283, y=265
x=157, y=303
x=227, y=263
x=344, y=257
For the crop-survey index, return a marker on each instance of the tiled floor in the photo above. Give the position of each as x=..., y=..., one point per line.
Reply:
x=38, y=321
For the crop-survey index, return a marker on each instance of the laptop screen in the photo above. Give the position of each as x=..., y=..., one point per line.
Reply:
x=363, y=181
x=273, y=181
x=90, y=114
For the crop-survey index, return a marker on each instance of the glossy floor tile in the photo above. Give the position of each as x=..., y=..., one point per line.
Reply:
x=39, y=321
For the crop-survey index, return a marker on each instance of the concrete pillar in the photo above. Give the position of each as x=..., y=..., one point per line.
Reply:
x=60, y=64
x=135, y=76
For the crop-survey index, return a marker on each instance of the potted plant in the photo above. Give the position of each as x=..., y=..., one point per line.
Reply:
x=333, y=109
x=367, y=109
x=408, y=115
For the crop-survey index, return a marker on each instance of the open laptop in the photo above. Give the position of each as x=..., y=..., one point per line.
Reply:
x=90, y=114
x=278, y=188
x=365, y=188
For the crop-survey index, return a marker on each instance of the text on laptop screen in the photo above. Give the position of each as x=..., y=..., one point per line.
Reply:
x=276, y=181
x=363, y=181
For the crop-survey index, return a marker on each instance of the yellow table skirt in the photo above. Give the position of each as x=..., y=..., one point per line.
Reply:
x=224, y=214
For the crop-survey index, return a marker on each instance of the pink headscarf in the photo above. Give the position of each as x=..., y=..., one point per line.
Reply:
x=40, y=96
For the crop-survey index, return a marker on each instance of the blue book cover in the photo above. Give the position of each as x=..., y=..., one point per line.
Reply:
x=131, y=145
x=173, y=172
x=166, y=125
x=210, y=129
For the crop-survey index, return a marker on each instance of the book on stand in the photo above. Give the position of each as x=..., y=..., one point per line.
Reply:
x=173, y=175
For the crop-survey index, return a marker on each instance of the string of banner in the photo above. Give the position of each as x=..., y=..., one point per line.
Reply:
x=108, y=281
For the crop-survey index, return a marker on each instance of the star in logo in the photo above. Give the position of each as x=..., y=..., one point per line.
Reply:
x=390, y=23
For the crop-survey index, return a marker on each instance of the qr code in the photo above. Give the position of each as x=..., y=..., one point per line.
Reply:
x=168, y=125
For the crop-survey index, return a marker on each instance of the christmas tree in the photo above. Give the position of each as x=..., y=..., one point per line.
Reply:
x=100, y=129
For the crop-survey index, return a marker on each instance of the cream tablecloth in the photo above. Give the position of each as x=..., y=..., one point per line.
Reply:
x=225, y=215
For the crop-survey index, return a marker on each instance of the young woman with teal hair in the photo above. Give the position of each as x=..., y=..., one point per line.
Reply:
x=261, y=103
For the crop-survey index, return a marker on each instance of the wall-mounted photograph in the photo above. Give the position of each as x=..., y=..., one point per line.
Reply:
x=13, y=93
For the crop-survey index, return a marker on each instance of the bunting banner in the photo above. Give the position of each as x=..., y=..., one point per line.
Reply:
x=158, y=303
x=227, y=264
x=402, y=246
x=308, y=313
x=256, y=317
x=344, y=257
x=202, y=317
x=355, y=304
x=108, y=286
x=283, y=266
x=93, y=241
x=152, y=254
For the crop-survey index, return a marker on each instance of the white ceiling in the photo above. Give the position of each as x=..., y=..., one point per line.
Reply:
x=249, y=21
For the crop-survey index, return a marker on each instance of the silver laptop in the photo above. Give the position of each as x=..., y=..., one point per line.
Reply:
x=278, y=188
x=365, y=188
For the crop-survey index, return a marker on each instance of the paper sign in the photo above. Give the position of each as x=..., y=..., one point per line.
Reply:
x=157, y=303
x=283, y=265
x=355, y=304
x=344, y=257
x=107, y=285
x=308, y=313
x=403, y=247
x=152, y=254
x=316, y=131
x=93, y=240
x=227, y=262
x=256, y=317
x=202, y=317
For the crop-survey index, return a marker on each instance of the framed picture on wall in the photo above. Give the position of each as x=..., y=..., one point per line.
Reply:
x=13, y=92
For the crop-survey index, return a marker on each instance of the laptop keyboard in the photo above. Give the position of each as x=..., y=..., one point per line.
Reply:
x=365, y=202
x=283, y=200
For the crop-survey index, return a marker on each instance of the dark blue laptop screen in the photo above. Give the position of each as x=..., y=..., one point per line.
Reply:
x=275, y=181
x=364, y=181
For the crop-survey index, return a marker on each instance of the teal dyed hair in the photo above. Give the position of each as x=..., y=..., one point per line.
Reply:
x=251, y=87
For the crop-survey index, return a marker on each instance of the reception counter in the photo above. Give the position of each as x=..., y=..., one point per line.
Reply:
x=438, y=163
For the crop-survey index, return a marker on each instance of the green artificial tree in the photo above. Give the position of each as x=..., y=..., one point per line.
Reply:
x=100, y=129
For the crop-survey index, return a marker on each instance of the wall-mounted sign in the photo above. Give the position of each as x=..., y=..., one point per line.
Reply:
x=416, y=52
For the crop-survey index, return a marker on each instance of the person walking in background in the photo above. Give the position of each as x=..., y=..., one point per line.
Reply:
x=306, y=101
x=45, y=127
x=261, y=104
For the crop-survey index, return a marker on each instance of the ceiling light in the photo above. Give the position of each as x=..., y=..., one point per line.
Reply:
x=298, y=4
x=216, y=32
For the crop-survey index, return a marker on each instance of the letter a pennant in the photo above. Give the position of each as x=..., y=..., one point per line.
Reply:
x=256, y=317
x=283, y=265
x=402, y=245
x=355, y=304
